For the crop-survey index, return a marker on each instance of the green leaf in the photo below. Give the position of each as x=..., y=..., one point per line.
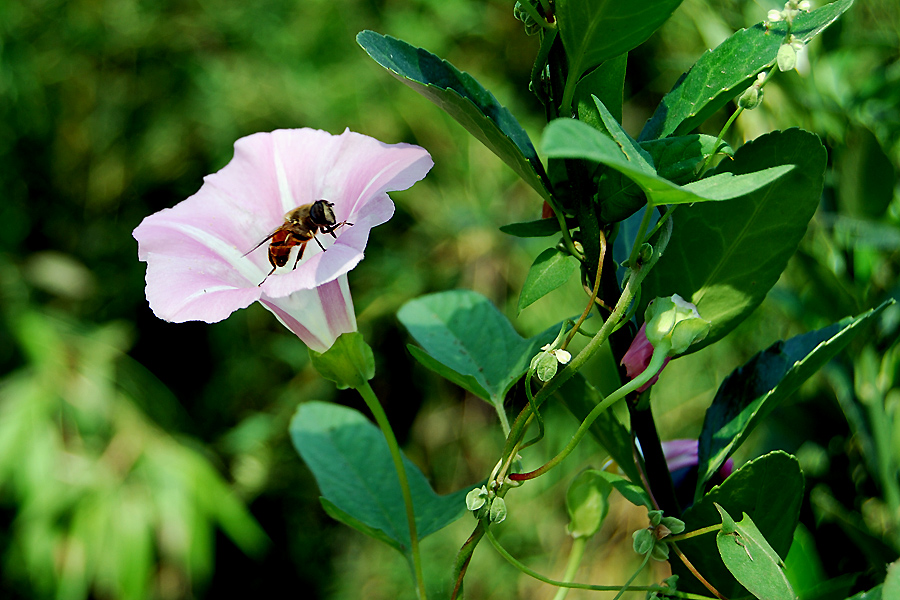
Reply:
x=568, y=138
x=463, y=98
x=770, y=489
x=580, y=398
x=593, y=31
x=752, y=561
x=725, y=256
x=462, y=331
x=754, y=390
x=723, y=73
x=349, y=363
x=350, y=460
x=587, y=502
x=606, y=82
x=528, y=229
x=679, y=159
x=551, y=269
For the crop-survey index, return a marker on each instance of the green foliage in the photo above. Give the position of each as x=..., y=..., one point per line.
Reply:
x=349, y=363
x=725, y=256
x=108, y=500
x=463, y=98
x=723, y=73
x=551, y=269
x=751, y=560
x=754, y=390
x=466, y=339
x=352, y=465
x=770, y=489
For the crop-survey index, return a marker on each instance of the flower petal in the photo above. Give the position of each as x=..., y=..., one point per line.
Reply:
x=199, y=260
x=316, y=316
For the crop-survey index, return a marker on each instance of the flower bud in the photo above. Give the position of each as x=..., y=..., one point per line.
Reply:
x=774, y=16
x=674, y=322
x=787, y=57
x=638, y=356
x=476, y=498
x=587, y=501
x=498, y=510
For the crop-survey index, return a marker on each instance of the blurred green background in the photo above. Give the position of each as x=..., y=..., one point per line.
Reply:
x=142, y=459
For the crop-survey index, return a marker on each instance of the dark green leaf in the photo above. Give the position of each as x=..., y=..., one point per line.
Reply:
x=580, y=397
x=679, y=159
x=873, y=594
x=593, y=31
x=528, y=229
x=349, y=363
x=467, y=382
x=551, y=269
x=752, y=561
x=606, y=82
x=350, y=460
x=463, y=98
x=723, y=73
x=770, y=489
x=754, y=390
x=465, y=333
x=568, y=138
x=725, y=256
x=866, y=183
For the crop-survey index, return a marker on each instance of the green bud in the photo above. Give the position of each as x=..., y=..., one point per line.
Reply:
x=476, y=498
x=787, y=57
x=660, y=551
x=587, y=501
x=674, y=322
x=544, y=365
x=655, y=517
x=751, y=98
x=498, y=510
x=674, y=525
x=643, y=541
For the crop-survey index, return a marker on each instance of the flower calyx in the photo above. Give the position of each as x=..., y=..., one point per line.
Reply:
x=486, y=505
x=674, y=323
x=652, y=539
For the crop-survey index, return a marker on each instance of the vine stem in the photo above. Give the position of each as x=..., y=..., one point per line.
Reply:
x=656, y=363
x=374, y=405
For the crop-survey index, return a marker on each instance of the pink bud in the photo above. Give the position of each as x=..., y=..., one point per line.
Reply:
x=638, y=356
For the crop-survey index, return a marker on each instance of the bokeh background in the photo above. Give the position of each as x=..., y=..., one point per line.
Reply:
x=142, y=459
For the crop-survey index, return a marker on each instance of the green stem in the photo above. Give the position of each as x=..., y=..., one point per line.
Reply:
x=633, y=577
x=725, y=128
x=575, y=556
x=639, y=238
x=656, y=363
x=381, y=418
x=695, y=533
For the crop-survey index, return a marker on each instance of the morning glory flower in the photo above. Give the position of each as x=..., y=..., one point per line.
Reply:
x=201, y=261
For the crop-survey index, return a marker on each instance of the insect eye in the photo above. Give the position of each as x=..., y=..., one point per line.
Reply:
x=321, y=213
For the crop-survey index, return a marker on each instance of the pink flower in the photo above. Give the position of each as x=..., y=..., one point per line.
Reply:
x=683, y=454
x=638, y=356
x=200, y=266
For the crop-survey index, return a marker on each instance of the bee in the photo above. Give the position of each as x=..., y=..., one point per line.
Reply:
x=300, y=225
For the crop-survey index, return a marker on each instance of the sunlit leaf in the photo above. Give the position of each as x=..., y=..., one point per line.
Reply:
x=551, y=269
x=464, y=332
x=752, y=561
x=725, y=256
x=723, y=73
x=770, y=489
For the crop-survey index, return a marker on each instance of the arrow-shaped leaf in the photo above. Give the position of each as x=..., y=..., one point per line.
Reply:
x=350, y=460
x=754, y=390
x=721, y=74
x=463, y=98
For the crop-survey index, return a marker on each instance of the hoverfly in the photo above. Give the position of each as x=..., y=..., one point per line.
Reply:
x=300, y=225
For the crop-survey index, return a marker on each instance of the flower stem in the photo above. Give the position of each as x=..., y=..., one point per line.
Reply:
x=575, y=556
x=374, y=405
x=688, y=535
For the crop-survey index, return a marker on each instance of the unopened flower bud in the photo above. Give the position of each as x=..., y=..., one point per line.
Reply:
x=751, y=98
x=674, y=322
x=774, y=16
x=587, y=501
x=787, y=57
